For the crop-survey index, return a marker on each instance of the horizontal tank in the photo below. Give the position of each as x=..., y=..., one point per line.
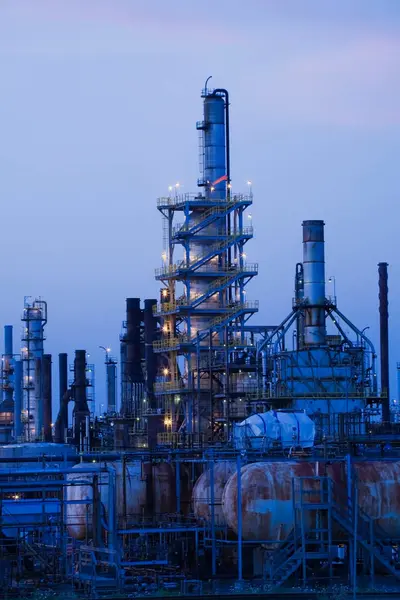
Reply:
x=202, y=492
x=378, y=485
x=267, y=506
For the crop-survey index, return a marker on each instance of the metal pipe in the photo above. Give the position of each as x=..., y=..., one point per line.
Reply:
x=39, y=396
x=63, y=387
x=17, y=399
x=7, y=365
x=81, y=409
x=314, y=282
x=384, y=339
x=47, y=397
x=299, y=297
x=239, y=514
x=150, y=333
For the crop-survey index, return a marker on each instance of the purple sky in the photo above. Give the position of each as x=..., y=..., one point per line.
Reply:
x=97, y=118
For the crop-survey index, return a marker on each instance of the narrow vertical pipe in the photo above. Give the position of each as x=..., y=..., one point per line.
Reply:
x=178, y=486
x=17, y=398
x=47, y=397
x=150, y=333
x=398, y=383
x=111, y=369
x=213, y=541
x=299, y=297
x=239, y=514
x=39, y=396
x=314, y=282
x=63, y=387
x=7, y=364
x=384, y=339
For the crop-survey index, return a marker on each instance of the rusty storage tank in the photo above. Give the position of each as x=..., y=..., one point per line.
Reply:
x=267, y=505
x=202, y=492
x=163, y=488
x=378, y=484
x=130, y=495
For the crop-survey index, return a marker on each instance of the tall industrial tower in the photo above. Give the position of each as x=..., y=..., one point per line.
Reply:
x=34, y=318
x=203, y=304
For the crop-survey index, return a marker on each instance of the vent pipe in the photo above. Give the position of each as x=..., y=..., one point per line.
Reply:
x=47, y=397
x=384, y=339
x=314, y=282
x=17, y=399
x=81, y=409
x=150, y=333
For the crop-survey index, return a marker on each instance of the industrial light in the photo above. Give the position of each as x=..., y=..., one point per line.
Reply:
x=164, y=292
x=108, y=349
x=165, y=371
x=212, y=189
x=16, y=497
x=170, y=188
x=249, y=183
x=244, y=255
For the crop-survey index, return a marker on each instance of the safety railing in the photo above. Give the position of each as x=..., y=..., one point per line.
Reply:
x=170, y=342
x=182, y=199
x=174, y=270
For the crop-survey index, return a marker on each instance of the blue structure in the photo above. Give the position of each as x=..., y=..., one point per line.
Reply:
x=203, y=305
x=34, y=318
x=323, y=374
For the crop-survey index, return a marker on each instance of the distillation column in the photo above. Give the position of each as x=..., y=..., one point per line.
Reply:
x=314, y=283
x=34, y=318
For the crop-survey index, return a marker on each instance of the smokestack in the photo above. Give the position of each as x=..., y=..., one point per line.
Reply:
x=63, y=387
x=17, y=399
x=133, y=368
x=47, y=397
x=111, y=385
x=81, y=409
x=150, y=332
x=314, y=282
x=384, y=338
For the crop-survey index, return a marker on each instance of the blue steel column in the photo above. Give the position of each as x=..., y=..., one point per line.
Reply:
x=314, y=282
x=111, y=368
x=17, y=398
x=214, y=145
x=7, y=363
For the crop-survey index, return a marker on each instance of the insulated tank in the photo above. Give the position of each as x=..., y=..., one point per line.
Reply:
x=267, y=506
x=202, y=492
x=131, y=504
x=79, y=516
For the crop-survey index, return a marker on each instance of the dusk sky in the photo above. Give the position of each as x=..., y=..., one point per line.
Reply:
x=98, y=104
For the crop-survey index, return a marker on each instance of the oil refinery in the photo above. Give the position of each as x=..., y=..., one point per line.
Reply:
x=230, y=455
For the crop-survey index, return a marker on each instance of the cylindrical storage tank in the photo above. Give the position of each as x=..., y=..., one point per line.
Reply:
x=164, y=496
x=267, y=504
x=202, y=492
x=378, y=491
x=130, y=500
